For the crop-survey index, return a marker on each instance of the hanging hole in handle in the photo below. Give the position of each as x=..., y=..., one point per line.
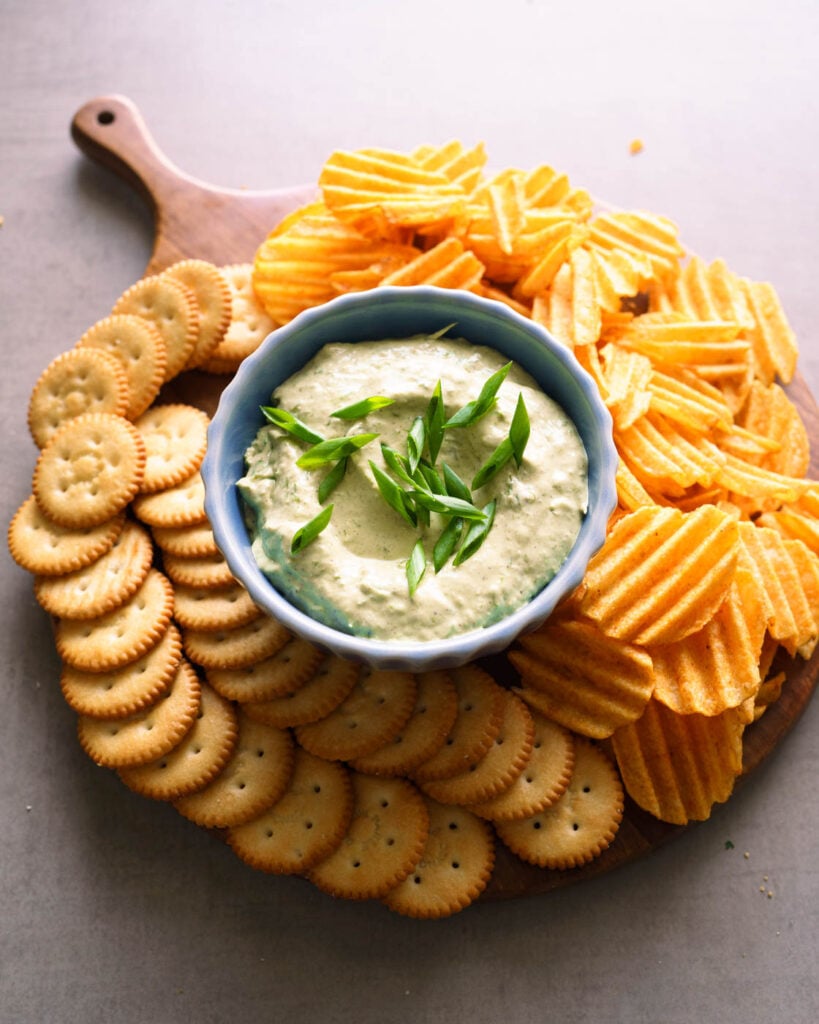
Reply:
x=106, y=117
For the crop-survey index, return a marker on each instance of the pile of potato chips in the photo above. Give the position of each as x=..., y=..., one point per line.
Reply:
x=711, y=565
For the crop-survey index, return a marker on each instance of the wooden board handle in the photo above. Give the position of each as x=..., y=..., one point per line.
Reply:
x=192, y=217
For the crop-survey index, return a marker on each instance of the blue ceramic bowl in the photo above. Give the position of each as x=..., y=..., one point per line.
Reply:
x=396, y=313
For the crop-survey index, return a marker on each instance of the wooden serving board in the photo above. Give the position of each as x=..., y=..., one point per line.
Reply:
x=195, y=219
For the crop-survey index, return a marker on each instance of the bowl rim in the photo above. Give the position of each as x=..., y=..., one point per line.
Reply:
x=438, y=653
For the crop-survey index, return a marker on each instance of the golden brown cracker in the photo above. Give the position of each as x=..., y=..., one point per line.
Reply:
x=544, y=777
x=198, y=757
x=40, y=546
x=78, y=381
x=433, y=716
x=310, y=700
x=373, y=712
x=90, y=470
x=122, y=635
x=256, y=775
x=124, y=691
x=384, y=842
x=249, y=324
x=499, y=766
x=454, y=868
x=194, y=541
x=171, y=307
x=142, y=737
x=237, y=647
x=175, y=439
x=212, y=609
x=305, y=825
x=213, y=300
x=577, y=827
x=141, y=351
x=206, y=571
x=180, y=505
x=480, y=713
x=278, y=675
x=103, y=585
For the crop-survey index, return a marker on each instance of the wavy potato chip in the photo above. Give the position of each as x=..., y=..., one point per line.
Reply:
x=677, y=767
x=574, y=674
x=661, y=573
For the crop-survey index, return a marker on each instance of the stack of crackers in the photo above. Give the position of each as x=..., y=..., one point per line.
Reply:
x=389, y=785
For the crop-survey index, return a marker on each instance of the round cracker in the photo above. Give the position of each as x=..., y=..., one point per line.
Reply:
x=197, y=759
x=499, y=766
x=171, y=307
x=543, y=780
x=253, y=779
x=175, y=439
x=208, y=610
x=433, y=716
x=249, y=324
x=305, y=825
x=124, y=691
x=180, y=505
x=76, y=382
x=311, y=700
x=235, y=648
x=372, y=713
x=384, y=842
x=207, y=571
x=480, y=713
x=124, y=634
x=148, y=734
x=105, y=584
x=454, y=868
x=276, y=676
x=141, y=351
x=44, y=548
x=213, y=300
x=580, y=825
x=194, y=541
x=90, y=470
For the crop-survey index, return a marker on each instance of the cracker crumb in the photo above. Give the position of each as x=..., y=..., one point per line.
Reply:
x=770, y=894
x=762, y=888
x=746, y=855
x=764, y=878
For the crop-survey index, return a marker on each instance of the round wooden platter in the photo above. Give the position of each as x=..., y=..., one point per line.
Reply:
x=195, y=219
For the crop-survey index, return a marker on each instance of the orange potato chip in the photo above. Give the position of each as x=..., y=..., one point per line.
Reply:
x=628, y=375
x=769, y=412
x=661, y=573
x=640, y=234
x=772, y=340
x=718, y=666
x=447, y=265
x=582, y=679
x=677, y=767
x=783, y=569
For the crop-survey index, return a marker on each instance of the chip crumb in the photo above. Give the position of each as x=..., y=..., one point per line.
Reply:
x=746, y=855
x=764, y=878
x=770, y=894
x=762, y=888
x=635, y=146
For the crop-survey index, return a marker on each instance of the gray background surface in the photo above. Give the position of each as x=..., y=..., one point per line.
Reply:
x=113, y=908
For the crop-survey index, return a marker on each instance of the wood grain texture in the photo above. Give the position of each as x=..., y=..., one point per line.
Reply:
x=195, y=219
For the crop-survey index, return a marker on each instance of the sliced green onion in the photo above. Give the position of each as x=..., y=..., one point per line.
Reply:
x=434, y=422
x=332, y=479
x=496, y=461
x=447, y=542
x=447, y=506
x=416, y=566
x=359, y=409
x=476, y=534
x=330, y=451
x=291, y=424
x=415, y=442
x=455, y=487
x=394, y=495
x=473, y=411
x=307, y=534
x=519, y=431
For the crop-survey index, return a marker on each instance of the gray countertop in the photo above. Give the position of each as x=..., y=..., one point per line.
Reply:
x=114, y=908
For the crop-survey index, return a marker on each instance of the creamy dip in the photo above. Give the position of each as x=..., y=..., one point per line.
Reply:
x=353, y=575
